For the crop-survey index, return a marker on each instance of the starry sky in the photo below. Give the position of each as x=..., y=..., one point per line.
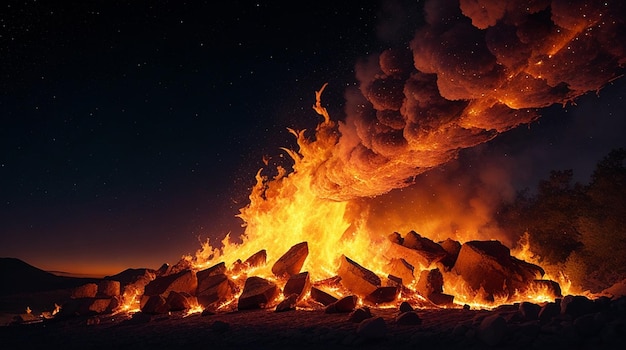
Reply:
x=131, y=131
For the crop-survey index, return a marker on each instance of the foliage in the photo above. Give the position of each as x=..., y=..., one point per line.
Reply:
x=582, y=227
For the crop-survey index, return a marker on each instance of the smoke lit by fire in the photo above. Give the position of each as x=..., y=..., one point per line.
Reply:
x=471, y=73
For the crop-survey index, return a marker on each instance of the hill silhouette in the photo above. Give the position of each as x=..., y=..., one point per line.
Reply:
x=18, y=276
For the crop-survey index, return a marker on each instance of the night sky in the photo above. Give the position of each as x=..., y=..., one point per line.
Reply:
x=133, y=130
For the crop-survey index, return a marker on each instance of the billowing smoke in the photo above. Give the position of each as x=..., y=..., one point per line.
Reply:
x=476, y=69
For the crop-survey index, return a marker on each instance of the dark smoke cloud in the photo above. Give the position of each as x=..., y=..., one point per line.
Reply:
x=476, y=69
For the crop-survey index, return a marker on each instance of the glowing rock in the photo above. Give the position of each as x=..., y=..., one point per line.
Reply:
x=257, y=293
x=489, y=265
x=322, y=297
x=400, y=268
x=214, y=288
x=297, y=284
x=89, y=290
x=381, y=295
x=292, y=261
x=345, y=304
x=184, y=281
x=356, y=278
x=109, y=288
x=179, y=301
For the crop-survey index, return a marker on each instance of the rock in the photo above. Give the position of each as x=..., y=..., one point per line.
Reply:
x=183, y=264
x=217, y=269
x=154, y=304
x=489, y=265
x=298, y=284
x=372, y=328
x=419, y=259
x=548, y=312
x=180, y=301
x=345, y=304
x=257, y=293
x=164, y=270
x=430, y=281
x=576, y=305
x=405, y=307
x=492, y=330
x=590, y=324
x=183, y=281
x=220, y=326
x=99, y=305
x=109, y=288
x=452, y=249
x=383, y=295
x=402, y=269
x=292, y=261
x=322, y=297
x=441, y=299
x=255, y=260
x=89, y=290
x=396, y=238
x=289, y=303
x=429, y=248
x=214, y=289
x=359, y=315
x=356, y=278
x=529, y=311
x=207, y=312
x=408, y=318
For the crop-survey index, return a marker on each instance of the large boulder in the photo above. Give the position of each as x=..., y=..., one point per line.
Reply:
x=490, y=266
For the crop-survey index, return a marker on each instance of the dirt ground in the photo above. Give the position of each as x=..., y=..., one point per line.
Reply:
x=302, y=329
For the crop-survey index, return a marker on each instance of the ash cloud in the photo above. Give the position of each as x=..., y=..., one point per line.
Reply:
x=476, y=69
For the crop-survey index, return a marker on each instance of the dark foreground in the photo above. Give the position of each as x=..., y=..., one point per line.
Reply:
x=507, y=327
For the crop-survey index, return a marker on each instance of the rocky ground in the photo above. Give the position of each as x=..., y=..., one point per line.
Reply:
x=578, y=323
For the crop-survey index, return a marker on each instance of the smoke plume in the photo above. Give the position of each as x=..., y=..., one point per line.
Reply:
x=476, y=69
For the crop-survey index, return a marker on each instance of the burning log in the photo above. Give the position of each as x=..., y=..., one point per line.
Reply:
x=356, y=278
x=257, y=293
x=292, y=261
